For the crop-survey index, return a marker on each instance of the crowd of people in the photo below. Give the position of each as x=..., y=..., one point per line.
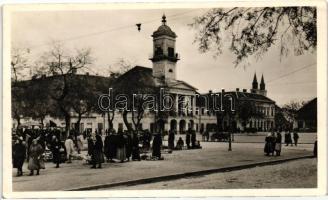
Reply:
x=112, y=146
x=273, y=142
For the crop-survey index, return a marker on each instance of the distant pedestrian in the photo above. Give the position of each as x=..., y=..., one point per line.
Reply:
x=193, y=138
x=121, y=150
x=19, y=154
x=157, y=144
x=79, y=143
x=201, y=131
x=97, y=157
x=180, y=144
x=278, y=144
x=55, y=148
x=268, y=147
x=288, y=138
x=35, y=161
x=188, y=135
x=295, y=137
x=135, y=147
x=171, y=139
x=128, y=145
x=69, y=145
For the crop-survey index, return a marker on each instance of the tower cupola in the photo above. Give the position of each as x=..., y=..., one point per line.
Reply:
x=164, y=56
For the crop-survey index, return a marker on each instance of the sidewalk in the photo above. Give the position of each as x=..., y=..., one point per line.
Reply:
x=212, y=156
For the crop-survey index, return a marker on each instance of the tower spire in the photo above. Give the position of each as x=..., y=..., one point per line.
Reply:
x=262, y=84
x=255, y=83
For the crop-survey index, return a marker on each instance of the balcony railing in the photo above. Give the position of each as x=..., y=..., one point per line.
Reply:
x=173, y=58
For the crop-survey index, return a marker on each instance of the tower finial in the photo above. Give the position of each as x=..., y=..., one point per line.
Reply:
x=164, y=19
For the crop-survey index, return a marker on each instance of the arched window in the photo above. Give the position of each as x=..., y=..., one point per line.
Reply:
x=170, y=70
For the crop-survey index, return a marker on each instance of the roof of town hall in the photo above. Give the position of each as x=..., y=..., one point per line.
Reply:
x=239, y=95
x=308, y=111
x=139, y=77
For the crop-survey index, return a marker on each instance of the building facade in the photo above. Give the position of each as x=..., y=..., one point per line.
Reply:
x=186, y=112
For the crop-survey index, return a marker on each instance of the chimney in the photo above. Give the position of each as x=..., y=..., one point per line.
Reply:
x=210, y=91
x=237, y=89
x=245, y=90
x=223, y=90
x=87, y=73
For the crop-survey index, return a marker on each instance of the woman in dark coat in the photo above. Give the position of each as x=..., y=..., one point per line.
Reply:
x=128, y=145
x=121, y=150
x=193, y=138
x=135, y=147
x=19, y=153
x=268, y=144
x=171, y=139
x=97, y=152
x=188, y=138
x=55, y=147
x=157, y=144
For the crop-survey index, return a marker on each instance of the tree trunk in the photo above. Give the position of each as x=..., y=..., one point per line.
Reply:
x=110, y=120
x=67, y=124
x=41, y=120
x=125, y=119
x=18, y=122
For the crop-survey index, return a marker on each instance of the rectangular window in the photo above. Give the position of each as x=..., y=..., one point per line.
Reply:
x=170, y=52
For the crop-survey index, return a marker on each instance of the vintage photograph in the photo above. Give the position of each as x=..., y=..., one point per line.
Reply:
x=164, y=98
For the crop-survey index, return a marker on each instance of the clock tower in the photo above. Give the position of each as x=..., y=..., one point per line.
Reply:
x=164, y=56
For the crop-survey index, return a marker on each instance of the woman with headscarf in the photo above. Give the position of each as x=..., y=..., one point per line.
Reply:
x=35, y=162
x=19, y=153
x=98, y=152
x=157, y=144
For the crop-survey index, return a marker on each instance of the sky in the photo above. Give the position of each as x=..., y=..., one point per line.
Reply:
x=112, y=35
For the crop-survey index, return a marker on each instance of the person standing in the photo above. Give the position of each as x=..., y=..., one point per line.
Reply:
x=79, y=143
x=69, y=145
x=55, y=147
x=193, y=138
x=135, y=147
x=157, y=144
x=288, y=138
x=34, y=163
x=295, y=137
x=278, y=144
x=121, y=151
x=180, y=144
x=188, y=138
x=97, y=157
x=19, y=154
x=171, y=139
x=128, y=145
x=268, y=144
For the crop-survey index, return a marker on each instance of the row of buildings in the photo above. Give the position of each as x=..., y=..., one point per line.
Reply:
x=197, y=115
